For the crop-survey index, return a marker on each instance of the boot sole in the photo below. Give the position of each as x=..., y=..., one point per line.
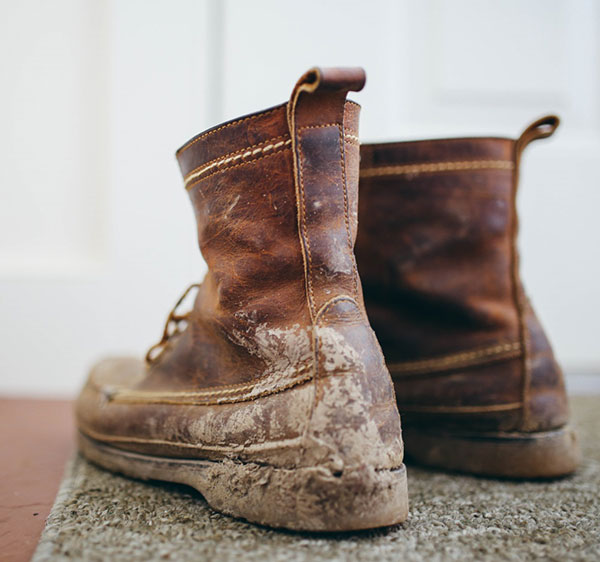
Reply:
x=549, y=454
x=304, y=499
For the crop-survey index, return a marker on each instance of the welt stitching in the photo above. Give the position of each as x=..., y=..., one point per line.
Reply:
x=248, y=151
x=434, y=167
x=346, y=218
x=279, y=151
x=457, y=358
x=222, y=127
x=304, y=226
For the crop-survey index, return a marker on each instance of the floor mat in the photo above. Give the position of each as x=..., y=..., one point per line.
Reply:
x=101, y=516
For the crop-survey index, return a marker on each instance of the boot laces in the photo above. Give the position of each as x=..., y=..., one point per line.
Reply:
x=176, y=324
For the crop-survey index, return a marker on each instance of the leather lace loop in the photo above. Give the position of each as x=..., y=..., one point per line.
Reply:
x=176, y=323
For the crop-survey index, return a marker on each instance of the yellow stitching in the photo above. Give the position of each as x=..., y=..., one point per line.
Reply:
x=225, y=157
x=433, y=167
x=299, y=193
x=346, y=206
x=331, y=302
x=235, y=152
x=346, y=219
x=166, y=398
x=188, y=187
x=226, y=126
x=237, y=122
x=233, y=156
x=459, y=409
x=297, y=169
x=139, y=397
x=454, y=360
x=207, y=391
x=304, y=227
x=350, y=136
x=323, y=126
x=458, y=358
x=351, y=139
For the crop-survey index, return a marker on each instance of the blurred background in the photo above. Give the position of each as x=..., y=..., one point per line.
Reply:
x=97, y=237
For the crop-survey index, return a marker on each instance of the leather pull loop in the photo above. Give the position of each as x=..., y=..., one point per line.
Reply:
x=333, y=84
x=540, y=129
x=315, y=115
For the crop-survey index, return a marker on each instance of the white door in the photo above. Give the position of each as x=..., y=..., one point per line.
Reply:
x=97, y=237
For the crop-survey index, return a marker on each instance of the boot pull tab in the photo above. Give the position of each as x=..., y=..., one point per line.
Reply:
x=540, y=129
x=333, y=84
x=344, y=78
x=315, y=115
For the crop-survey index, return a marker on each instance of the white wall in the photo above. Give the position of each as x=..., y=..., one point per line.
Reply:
x=97, y=237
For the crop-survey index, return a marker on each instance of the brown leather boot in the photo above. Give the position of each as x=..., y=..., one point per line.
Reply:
x=477, y=384
x=271, y=397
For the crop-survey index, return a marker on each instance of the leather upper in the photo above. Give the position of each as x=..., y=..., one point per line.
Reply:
x=439, y=263
x=278, y=363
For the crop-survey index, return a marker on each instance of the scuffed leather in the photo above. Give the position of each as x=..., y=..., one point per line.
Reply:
x=278, y=363
x=437, y=255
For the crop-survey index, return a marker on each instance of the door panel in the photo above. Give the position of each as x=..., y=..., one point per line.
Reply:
x=97, y=237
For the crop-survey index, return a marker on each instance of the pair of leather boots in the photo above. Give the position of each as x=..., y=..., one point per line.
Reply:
x=271, y=395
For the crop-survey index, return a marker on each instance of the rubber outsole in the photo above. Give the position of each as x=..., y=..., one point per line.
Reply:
x=304, y=498
x=549, y=454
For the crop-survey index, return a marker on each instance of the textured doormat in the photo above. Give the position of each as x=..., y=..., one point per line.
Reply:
x=100, y=516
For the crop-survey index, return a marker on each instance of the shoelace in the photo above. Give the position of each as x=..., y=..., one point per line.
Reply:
x=175, y=325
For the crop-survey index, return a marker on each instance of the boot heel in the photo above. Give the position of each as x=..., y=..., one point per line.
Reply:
x=308, y=499
x=548, y=454
x=303, y=499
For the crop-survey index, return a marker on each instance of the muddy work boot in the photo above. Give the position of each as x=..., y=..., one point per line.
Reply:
x=477, y=384
x=271, y=396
